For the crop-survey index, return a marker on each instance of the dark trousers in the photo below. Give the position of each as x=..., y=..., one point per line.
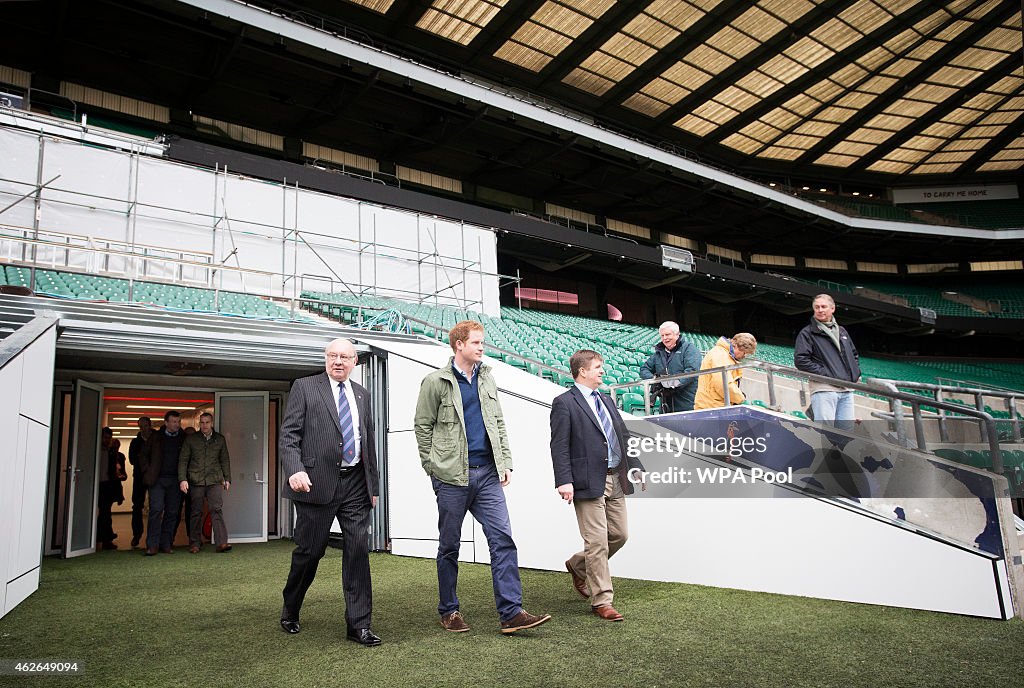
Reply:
x=184, y=509
x=214, y=495
x=351, y=505
x=104, y=519
x=138, y=504
x=485, y=499
x=164, y=501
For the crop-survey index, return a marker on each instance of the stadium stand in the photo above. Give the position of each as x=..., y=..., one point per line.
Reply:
x=71, y=285
x=1002, y=214
x=537, y=337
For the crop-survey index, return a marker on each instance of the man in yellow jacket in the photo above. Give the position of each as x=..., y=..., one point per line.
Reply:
x=726, y=352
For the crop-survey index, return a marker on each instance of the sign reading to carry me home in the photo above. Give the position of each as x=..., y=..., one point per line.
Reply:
x=945, y=194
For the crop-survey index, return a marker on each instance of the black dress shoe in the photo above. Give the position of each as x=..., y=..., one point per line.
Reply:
x=289, y=626
x=363, y=636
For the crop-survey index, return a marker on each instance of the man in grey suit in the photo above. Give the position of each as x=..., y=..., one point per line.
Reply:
x=591, y=461
x=328, y=452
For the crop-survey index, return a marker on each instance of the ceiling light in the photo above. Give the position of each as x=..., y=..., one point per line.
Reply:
x=163, y=408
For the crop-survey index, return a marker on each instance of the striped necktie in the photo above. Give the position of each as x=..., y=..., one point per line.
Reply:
x=348, y=435
x=614, y=455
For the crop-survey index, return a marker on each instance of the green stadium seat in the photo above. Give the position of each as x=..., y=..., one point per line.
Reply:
x=632, y=404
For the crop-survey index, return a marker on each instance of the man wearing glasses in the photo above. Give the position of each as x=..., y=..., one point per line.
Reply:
x=327, y=449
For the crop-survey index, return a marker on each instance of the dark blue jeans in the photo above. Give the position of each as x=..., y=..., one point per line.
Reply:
x=164, y=502
x=485, y=499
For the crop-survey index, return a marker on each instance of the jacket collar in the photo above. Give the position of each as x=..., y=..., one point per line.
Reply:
x=680, y=343
x=448, y=370
x=577, y=395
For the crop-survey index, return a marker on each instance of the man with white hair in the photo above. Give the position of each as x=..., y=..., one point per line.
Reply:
x=329, y=456
x=673, y=356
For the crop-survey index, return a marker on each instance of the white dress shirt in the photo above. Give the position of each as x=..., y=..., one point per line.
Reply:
x=352, y=407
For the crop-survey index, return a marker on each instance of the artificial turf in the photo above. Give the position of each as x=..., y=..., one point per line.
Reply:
x=212, y=620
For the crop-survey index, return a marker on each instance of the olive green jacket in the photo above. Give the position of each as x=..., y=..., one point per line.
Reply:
x=441, y=427
x=204, y=462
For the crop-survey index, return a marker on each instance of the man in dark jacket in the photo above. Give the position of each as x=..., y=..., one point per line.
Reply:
x=109, y=488
x=204, y=471
x=673, y=356
x=589, y=453
x=825, y=348
x=160, y=471
x=135, y=450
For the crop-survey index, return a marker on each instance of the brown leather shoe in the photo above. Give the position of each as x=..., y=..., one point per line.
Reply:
x=454, y=622
x=194, y=549
x=578, y=584
x=522, y=621
x=607, y=612
x=167, y=550
x=223, y=548
x=151, y=551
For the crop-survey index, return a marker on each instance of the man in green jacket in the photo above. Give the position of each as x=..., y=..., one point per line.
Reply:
x=204, y=469
x=464, y=449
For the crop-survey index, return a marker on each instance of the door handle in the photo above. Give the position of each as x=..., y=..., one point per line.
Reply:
x=256, y=477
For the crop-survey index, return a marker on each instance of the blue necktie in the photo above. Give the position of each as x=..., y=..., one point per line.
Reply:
x=609, y=431
x=348, y=435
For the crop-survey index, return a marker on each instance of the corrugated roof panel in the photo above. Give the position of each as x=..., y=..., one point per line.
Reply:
x=696, y=125
x=742, y=143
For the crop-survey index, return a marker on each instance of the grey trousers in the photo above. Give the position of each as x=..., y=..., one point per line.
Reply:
x=214, y=495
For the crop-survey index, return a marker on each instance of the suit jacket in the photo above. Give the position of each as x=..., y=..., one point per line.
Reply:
x=311, y=439
x=579, y=449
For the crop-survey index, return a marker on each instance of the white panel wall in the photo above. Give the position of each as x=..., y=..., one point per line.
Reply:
x=795, y=546
x=25, y=424
x=183, y=209
x=412, y=510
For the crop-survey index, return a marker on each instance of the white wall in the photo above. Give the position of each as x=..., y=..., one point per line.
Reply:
x=380, y=250
x=25, y=410
x=762, y=542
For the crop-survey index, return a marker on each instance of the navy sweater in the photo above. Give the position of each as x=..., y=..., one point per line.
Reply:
x=480, y=452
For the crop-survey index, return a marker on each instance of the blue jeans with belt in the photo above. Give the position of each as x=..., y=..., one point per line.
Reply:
x=484, y=498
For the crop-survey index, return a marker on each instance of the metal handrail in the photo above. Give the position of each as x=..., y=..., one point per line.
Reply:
x=883, y=389
x=979, y=393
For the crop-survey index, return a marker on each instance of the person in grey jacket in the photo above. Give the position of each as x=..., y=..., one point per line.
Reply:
x=204, y=471
x=673, y=356
x=825, y=348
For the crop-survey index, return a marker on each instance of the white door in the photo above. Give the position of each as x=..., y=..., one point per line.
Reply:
x=80, y=534
x=242, y=417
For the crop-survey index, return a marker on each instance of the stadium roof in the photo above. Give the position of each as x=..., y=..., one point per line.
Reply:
x=857, y=94
x=895, y=87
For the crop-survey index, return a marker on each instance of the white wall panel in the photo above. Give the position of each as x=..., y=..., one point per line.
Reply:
x=796, y=546
x=178, y=206
x=176, y=192
x=23, y=466
x=90, y=197
x=37, y=378
x=20, y=152
x=27, y=547
x=10, y=462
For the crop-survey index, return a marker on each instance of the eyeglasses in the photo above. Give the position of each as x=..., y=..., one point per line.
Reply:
x=340, y=357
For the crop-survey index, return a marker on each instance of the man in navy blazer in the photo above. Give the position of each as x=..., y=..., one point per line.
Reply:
x=328, y=452
x=588, y=450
